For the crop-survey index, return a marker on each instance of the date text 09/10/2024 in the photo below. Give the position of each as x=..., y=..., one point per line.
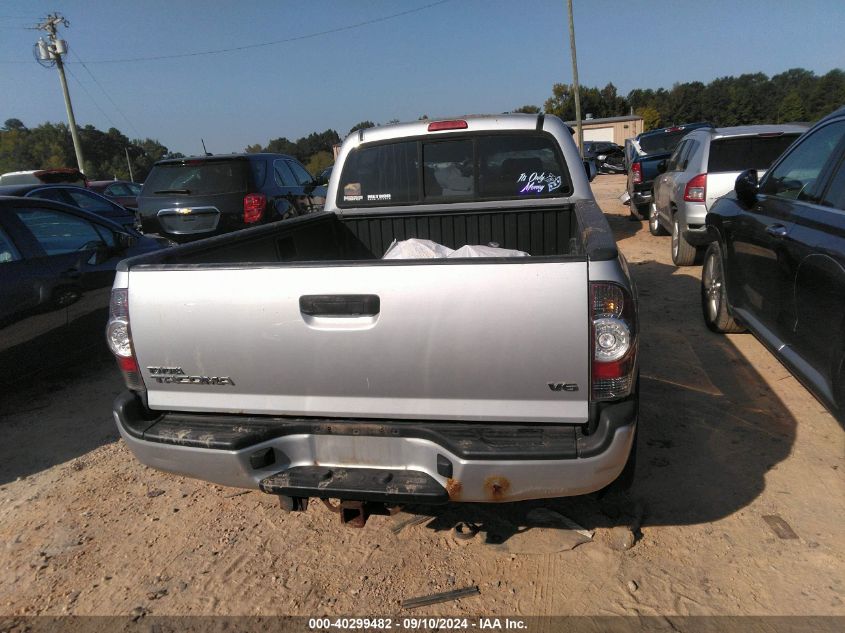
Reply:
x=412, y=624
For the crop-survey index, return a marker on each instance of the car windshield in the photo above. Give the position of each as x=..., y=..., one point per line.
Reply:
x=198, y=177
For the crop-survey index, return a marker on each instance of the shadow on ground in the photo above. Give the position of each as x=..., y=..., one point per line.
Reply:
x=58, y=416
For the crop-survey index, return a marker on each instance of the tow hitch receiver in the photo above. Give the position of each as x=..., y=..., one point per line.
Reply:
x=358, y=489
x=356, y=513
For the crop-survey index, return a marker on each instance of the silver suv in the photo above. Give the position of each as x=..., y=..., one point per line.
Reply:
x=703, y=168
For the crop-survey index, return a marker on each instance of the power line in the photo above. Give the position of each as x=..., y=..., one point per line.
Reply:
x=94, y=101
x=273, y=43
x=235, y=49
x=116, y=107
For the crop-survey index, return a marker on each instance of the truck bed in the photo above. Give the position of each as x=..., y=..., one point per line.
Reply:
x=557, y=231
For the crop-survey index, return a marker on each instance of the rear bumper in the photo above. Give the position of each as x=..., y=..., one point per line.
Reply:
x=641, y=197
x=698, y=236
x=471, y=462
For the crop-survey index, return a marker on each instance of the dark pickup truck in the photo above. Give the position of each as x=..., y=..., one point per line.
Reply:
x=642, y=154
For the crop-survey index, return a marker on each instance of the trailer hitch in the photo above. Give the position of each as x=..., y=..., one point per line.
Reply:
x=356, y=513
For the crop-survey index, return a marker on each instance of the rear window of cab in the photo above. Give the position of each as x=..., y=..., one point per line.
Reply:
x=464, y=168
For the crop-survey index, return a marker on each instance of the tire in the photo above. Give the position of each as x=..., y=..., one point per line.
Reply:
x=683, y=253
x=654, y=226
x=714, y=294
x=639, y=212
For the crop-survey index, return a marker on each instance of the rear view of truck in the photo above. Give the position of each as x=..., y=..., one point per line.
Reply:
x=296, y=359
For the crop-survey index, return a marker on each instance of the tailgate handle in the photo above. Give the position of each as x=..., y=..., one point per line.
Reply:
x=339, y=305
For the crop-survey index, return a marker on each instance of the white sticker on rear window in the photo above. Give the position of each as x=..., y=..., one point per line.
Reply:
x=539, y=182
x=378, y=196
x=352, y=198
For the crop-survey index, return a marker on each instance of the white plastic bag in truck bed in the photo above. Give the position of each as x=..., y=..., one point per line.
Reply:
x=426, y=249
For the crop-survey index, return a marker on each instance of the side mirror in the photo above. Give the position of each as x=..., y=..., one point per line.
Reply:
x=590, y=168
x=661, y=166
x=746, y=187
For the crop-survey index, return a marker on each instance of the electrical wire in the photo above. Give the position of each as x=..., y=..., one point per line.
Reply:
x=93, y=100
x=116, y=107
x=273, y=43
x=236, y=49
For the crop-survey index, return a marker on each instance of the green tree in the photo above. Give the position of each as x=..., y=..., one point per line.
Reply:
x=281, y=146
x=363, y=125
x=319, y=161
x=12, y=125
x=651, y=117
x=791, y=108
x=528, y=109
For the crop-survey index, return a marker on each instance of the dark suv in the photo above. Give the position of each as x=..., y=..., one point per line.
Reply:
x=192, y=198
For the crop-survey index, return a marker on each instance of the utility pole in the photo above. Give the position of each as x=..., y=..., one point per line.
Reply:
x=129, y=164
x=53, y=51
x=575, y=81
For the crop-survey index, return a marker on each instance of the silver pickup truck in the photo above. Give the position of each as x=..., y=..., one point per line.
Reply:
x=295, y=359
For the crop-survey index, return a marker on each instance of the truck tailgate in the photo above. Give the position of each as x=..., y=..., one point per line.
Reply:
x=465, y=341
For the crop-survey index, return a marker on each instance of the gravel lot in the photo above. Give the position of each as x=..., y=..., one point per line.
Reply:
x=728, y=437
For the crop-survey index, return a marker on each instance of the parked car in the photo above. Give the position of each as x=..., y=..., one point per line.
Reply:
x=294, y=358
x=64, y=175
x=192, y=198
x=642, y=154
x=775, y=263
x=703, y=168
x=77, y=197
x=123, y=192
x=609, y=157
x=324, y=176
x=57, y=265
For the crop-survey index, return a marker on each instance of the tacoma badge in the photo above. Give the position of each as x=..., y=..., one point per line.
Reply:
x=175, y=375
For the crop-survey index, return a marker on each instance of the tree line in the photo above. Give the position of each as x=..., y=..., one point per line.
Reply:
x=791, y=96
x=105, y=153
x=794, y=95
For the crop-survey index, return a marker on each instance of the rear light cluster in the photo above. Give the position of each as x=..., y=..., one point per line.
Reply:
x=254, y=204
x=636, y=173
x=119, y=339
x=696, y=189
x=614, y=341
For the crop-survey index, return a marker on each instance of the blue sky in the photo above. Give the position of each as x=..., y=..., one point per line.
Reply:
x=461, y=56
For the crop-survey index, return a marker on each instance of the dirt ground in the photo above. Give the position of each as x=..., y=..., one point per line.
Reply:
x=727, y=438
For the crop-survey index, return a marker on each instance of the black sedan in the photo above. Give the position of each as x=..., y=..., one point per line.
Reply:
x=57, y=266
x=77, y=197
x=776, y=262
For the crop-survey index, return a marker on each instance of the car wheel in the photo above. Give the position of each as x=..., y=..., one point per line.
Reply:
x=683, y=253
x=714, y=293
x=638, y=212
x=654, y=226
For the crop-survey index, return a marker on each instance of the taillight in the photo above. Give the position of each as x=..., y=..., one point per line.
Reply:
x=696, y=189
x=636, y=173
x=456, y=124
x=254, y=204
x=614, y=340
x=119, y=339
